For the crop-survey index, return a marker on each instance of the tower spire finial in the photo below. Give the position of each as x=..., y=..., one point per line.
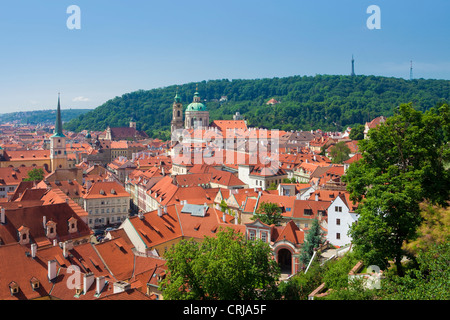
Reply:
x=58, y=125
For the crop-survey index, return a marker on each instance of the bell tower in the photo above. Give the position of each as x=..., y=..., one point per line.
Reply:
x=58, y=153
x=177, y=116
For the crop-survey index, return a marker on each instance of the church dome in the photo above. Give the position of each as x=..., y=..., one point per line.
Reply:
x=196, y=106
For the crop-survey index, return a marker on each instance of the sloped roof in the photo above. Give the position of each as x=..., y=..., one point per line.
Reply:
x=106, y=189
x=32, y=217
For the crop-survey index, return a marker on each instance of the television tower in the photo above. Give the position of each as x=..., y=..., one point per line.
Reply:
x=353, y=66
x=411, y=72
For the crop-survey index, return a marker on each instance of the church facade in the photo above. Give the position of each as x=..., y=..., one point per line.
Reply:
x=196, y=115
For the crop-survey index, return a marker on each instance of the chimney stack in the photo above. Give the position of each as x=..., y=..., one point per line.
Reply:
x=165, y=209
x=44, y=221
x=3, y=216
x=141, y=214
x=159, y=211
x=67, y=245
x=317, y=197
x=100, y=284
x=33, y=250
x=121, y=286
x=51, y=270
x=88, y=280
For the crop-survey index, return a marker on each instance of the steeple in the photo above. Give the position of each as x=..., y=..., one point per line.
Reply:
x=177, y=98
x=58, y=125
x=196, y=95
x=353, y=66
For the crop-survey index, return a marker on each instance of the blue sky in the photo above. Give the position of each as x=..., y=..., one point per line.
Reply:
x=126, y=45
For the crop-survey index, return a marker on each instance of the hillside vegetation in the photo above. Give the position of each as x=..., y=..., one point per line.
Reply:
x=324, y=102
x=41, y=116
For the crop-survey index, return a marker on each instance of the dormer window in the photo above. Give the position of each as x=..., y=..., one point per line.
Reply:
x=34, y=283
x=13, y=287
x=73, y=225
x=24, y=235
x=51, y=229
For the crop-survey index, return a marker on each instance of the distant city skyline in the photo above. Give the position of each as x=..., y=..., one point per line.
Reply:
x=124, y=46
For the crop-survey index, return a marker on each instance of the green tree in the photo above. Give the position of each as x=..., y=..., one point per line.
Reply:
x=314, y=239
x=339, y=152
x=36, y=174
x=402, y=164
x=357, y=133
x=223, y=206
x=226, y=267
x=429, y=281
x=269, y=213
x=302, y=284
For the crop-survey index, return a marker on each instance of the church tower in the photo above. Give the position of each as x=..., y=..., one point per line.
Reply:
x=58, y=153
x=177, y=117
x=196, y=115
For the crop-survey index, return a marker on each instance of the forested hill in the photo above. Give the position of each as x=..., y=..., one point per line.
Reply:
x=324, y=102
x=41, y=116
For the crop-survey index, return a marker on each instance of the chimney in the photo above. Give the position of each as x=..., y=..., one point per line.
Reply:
x=88, y=280
x=100, y=284
x=159, y=211
x=2, y=216
x=121, y=286
x=165, y=209
x=33, y=250
x=44, y=221
x=141, y=214
x=224, y=218
x=316, y=197
x=51, y=270
x=55, y=242
x=67, y=245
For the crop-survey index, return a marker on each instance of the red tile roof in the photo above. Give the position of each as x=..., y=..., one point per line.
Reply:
x=106, y=189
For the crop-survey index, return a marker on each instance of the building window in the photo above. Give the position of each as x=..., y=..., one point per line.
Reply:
x=264, y=236
x=338, y=222
x=338, y=236
x=338, y=209
x=252, y=235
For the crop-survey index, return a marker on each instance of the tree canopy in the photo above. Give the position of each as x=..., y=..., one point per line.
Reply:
x=313, y=240
x=402, y=164
x=340, y=152
x=36, y=174
x=326, y=102
x=269, y=213
x=226, y=267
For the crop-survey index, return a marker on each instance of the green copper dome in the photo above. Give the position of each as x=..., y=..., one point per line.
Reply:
x=196, y=106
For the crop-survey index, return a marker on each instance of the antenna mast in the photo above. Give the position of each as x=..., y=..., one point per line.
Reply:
x=411, y=72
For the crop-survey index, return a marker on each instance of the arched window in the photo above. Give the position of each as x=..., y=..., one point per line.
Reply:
x=178, y=113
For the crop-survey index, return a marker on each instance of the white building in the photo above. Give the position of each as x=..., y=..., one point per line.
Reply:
x=340, y=218
x=107, y=203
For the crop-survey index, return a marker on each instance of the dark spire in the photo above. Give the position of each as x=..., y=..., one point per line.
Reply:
x=58, y=125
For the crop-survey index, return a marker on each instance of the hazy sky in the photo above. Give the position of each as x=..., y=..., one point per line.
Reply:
x=126, y=45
